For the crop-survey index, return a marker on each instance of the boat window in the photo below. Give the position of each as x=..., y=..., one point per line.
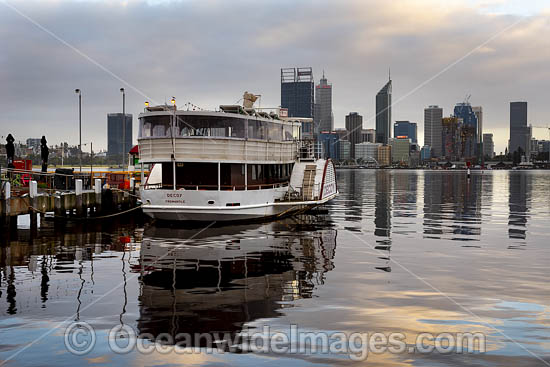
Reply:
x=275, y=131
x=215, y=126
x=155, y=126
x=257, y=129
x=288, y=133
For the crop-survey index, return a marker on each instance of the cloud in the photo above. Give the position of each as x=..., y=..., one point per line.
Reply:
x=209, y=52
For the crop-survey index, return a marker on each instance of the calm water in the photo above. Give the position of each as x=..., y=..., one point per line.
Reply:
x=400, y=251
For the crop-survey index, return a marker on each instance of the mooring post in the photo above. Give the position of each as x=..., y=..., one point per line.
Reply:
x=6, y=203
x=97, y=189
x=33, y=194
x=78, y=192
x=132, y=198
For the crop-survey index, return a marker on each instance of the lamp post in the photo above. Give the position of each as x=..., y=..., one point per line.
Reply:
x=77, y=91
x=123, y=127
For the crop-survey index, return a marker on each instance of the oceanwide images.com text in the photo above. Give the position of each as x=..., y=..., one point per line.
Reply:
x=80, y=339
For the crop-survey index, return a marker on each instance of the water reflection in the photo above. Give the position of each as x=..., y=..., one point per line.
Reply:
x=219, y=281
x=519, y=188
x=452, y=206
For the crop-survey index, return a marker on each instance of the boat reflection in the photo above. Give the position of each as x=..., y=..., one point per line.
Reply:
x=223, y=278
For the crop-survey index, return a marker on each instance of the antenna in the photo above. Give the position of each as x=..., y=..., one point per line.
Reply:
x=389, y=73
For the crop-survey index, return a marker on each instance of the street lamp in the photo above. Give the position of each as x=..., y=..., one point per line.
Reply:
x=77, y=91
x=123, y=127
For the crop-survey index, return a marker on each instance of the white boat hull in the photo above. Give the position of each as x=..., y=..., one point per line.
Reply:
x=238, y=205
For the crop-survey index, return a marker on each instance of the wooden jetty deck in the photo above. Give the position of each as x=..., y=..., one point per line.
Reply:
x=77, y=204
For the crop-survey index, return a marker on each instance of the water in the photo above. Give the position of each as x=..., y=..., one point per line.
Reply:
x=406, y=252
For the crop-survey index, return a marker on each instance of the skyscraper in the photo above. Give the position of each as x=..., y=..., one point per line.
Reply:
x=323, y=118
x=297, y=87
x=468, y=129
x=488, y=145
x=432, y=129
x=478, y=111
x=354, y=126
x=115, y=146
x=383, y=114
x=519, y=132
x=405, y=128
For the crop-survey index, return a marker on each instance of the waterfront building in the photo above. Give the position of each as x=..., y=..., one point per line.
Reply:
x=367, y=151
x=383, y=113
x=354, y=126
x=384, y=155
x=400, y=150
x=368, y=136
x=488, y=145
x=478, y=111
x=519, y=132
x=432, y=129
x=323, y=118
x=468, y=130
x=328, y=141
x=450, y=135
x=414, y=158
x=115, y=146
x=426, y=153
x=344, y=150
x=297, y=87
x=407, y=129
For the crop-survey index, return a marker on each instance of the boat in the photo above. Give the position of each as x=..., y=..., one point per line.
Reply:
x=232, y=164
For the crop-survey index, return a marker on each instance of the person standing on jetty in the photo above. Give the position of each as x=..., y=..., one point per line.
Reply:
x=10, y=150
x=44, y=153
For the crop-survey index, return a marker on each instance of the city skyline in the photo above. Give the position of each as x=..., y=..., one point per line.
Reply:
x=510, y=67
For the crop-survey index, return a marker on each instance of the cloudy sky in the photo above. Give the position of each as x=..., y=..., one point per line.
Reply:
x=208, y=52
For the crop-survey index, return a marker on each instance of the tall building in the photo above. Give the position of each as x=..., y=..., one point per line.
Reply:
x=384, y=155
x=450, y=136
x=405, y=128
x=383, y=114
x=368, y=135
x=400, y=150
x=323, y=118
x=367, y=151
x=329, y=141
x=354, y=126
x=489, y=151
x=478, y=111
x=432, y=129
x=468, y=129
x=297, y=87
x=519, y=131
x=115, y=145
x=344, y=148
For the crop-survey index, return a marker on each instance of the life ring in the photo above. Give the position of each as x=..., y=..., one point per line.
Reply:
x=26, y=179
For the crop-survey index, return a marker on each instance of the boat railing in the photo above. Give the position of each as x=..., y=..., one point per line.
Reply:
x=299, y=194
x=215, y=187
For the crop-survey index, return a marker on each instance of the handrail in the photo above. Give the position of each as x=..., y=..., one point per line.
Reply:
x=215, y=187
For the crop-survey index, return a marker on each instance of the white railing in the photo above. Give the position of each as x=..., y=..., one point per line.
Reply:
x=218, y=149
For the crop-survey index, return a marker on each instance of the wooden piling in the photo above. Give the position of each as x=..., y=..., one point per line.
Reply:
x=6, y=198
x=98, y=192
x=78, y=192
x=33, y=194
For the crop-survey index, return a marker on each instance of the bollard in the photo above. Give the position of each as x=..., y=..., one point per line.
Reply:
x=6, y=203
x=78, y=192
x=33, y=194
x=97, y=189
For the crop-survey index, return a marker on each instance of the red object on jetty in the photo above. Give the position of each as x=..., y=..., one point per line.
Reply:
x=24, y=165
x=125, y=239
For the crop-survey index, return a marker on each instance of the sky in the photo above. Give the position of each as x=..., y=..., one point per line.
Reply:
x=209, y=52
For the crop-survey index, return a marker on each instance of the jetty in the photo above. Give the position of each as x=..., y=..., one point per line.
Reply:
x=63, y=197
